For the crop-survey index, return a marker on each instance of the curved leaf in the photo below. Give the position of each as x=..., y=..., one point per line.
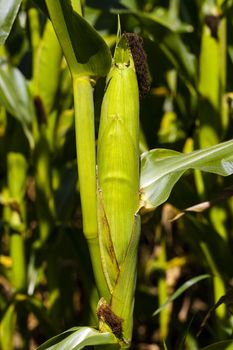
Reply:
x=8, y=12
x=181, y=290
x=16, y=98
x=159, y=15
x=161, y=169
x=222, y=345
x=77, y=338
x=85, y=51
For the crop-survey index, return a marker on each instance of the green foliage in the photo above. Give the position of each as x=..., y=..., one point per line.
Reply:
x=70, y=235
x=180, y=291
x=161, y=169
x=8, y=10
x=85, y=51
x=15, y=96
x=223, y=345
x=77, y=338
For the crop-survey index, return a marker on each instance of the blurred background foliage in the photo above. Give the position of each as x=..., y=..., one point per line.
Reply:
x=46, y=280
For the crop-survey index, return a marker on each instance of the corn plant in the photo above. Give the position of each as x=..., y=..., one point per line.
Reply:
x=117, y=182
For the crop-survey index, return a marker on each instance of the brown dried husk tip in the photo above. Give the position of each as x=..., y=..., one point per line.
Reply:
x=213, y=23
x=135, y=43
x=106, y=315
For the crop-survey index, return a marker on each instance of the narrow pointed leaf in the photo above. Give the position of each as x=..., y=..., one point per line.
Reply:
x=8, y=12
x=85, y=51
x=161, y=169
x=77, y=338
x=181, y=290
x=222, y=345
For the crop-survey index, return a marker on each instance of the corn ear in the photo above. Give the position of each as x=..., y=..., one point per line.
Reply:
x=118, y=185
x=118, y=154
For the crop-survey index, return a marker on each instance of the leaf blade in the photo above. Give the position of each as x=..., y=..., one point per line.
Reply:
x=85, y=50
x=222, y=345
x=181, y=290
x=15, y=96
x=8, y=12
x=78, y=339
x=161, y=169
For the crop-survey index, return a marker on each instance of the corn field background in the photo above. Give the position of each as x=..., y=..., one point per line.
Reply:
x=184, y=286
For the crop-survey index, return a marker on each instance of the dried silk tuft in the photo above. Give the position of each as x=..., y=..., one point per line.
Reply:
x=135, y=43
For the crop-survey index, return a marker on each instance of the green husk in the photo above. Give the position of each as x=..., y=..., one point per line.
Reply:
x=118, y=185
x=118, y=153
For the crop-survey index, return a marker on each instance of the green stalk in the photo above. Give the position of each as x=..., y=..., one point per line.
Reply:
x=218, y=283
x=209, y=90
x=34, y=24
x=45, y=199
x=17, y=172
x=86, y=160
x=85, y=57
x=162, y=292
x=222, y=33
x=85, y=145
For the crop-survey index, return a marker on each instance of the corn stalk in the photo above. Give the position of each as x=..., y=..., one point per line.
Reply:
x=109, y=205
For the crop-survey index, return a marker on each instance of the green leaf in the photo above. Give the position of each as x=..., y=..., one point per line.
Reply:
x=181, y=290
x=222, y=345
x=77, y=338
x=7, y=328
x=16, y=97
x=164, y=31
x=163, y=17
x=161, y=169
x=48, y=64
x=8, y=12
x=85, y=51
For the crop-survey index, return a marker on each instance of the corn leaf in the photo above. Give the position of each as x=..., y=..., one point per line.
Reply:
x=165, y=33
x=159, y=15
x=161, y=169
x=8, y=12
x=222, y=345
x=48, y=64
x=85, y=51
x=16, y=98
x=181, y=290
x=7, y=328
x=77, y=338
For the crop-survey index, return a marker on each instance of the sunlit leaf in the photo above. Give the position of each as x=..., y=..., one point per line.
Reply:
x=181, y=290
x=85, y=51
x=164, y=31
x=8, y=12
x=161, y=169
x=162, y=16
x=16, y=97
x=77, y=338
